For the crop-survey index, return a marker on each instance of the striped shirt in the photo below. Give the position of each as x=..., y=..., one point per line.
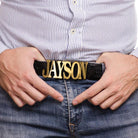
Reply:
x=69, y=29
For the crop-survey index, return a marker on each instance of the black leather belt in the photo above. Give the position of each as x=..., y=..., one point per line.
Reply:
x=75, y=70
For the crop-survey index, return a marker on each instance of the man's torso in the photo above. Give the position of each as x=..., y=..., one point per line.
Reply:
x=69, y=29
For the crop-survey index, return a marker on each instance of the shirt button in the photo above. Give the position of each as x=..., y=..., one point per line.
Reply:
x=75, y=1
x=72, y=31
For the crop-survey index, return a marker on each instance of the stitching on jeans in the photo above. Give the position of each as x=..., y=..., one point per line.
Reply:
x=71, y=126
x=67, y=99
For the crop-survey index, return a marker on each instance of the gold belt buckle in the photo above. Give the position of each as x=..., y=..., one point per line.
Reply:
x=65, y=70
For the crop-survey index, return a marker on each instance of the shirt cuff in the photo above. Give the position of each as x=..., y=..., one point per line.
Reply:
x=2, y=47
x=135, y=52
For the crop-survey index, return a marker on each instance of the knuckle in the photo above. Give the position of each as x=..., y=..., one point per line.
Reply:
x=109, y=81
x=118, y=87
x=115, y=89
x=120, y=95
x=27, y=76
x=45, y=91
x=20, y=83
x=113, y=92
x=117, y=97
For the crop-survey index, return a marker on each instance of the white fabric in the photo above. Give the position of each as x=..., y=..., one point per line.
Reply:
x=69, y=29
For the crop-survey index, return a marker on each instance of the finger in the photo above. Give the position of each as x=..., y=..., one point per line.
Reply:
x=102, y=96
x=32, y=92
x=90, y=92
x=43, y=87
x=39, y=55
x=110, y=101
x=100, y=59
x=17, y=100
x=119, y=102
x=24, y=96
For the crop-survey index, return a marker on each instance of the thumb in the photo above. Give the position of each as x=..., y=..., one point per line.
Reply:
x=100, y=60
x=39, y=56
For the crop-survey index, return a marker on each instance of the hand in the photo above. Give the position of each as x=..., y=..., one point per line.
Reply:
x=118, y=82
x=18, y=77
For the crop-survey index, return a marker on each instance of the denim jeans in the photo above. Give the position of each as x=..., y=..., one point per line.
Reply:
x=52, y=119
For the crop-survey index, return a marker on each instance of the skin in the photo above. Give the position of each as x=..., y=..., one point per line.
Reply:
x=118, y=82
x=18, y=77
x=17, y=74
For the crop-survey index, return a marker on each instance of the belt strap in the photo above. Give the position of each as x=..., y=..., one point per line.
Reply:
x=75, y=70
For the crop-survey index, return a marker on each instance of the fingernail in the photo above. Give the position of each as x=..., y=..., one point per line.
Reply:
x=60, y=99
x=75, y=102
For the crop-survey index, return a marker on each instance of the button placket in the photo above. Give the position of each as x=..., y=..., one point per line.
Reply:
x=76, y=27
